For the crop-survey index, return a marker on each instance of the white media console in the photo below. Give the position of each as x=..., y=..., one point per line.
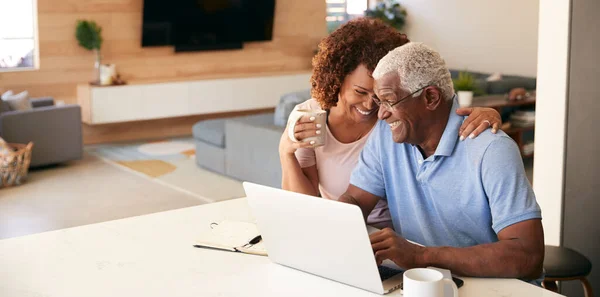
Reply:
x=113, y=104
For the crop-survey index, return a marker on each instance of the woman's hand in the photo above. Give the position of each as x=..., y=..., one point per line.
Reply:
x=480, y=118
x=305, y=127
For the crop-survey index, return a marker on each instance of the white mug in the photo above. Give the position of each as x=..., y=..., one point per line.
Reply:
x=320, y=118
x=425, y=282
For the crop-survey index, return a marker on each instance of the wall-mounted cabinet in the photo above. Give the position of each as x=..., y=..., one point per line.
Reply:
x=114, y=104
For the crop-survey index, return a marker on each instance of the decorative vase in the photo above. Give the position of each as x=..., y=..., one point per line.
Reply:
x=97, y=67
x=107, y=72
x=465, y=98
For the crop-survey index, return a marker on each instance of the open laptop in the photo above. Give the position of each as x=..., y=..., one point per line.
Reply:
x=319, y=236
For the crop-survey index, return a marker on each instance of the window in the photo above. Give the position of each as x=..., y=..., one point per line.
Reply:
x=341, y=11
x=18, y=26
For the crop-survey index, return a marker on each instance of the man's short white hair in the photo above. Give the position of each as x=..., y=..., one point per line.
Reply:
x=418, y=66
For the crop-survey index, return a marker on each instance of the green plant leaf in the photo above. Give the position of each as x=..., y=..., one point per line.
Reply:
x=384, y=10
x=464, y=82
x=88, y=34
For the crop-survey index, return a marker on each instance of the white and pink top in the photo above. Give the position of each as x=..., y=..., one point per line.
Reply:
x=335, y=162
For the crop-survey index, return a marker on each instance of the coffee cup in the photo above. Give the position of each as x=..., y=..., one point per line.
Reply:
x=425, y=282
x=320, y=117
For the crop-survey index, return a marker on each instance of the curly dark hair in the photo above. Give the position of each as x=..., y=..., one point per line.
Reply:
x=360, y=41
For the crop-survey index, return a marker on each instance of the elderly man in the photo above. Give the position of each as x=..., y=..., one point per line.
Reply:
x=468, y=202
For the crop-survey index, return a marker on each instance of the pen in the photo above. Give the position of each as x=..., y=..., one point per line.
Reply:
x=255, y=240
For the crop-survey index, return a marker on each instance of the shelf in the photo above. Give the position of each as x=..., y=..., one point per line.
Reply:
x=499, y=101
x=137, y=102
x=513, y=130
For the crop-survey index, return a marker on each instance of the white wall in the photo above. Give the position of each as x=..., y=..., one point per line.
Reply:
x=489, y=36
x=550, y=132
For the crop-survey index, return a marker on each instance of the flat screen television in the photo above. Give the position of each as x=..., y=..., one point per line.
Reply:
x=191, y=25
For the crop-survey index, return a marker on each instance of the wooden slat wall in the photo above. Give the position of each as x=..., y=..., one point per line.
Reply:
x=299, y=26
x=153, y=129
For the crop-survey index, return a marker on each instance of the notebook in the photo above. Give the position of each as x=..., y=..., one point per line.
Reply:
x=234, y=236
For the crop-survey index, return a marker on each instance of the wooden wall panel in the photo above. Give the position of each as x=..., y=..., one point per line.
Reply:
x=162, y=128
x=298, y=27
x=75, y=6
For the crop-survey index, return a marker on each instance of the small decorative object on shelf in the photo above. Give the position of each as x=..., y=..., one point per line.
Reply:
x=464, y=86
x=117, y=80
x=107, y=72
x=89, y=36
x=14, y=163
x=518, y=94
x=109, y=76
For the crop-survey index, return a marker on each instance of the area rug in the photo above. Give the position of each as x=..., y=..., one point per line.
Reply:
x=171, y=162
x=83, y=192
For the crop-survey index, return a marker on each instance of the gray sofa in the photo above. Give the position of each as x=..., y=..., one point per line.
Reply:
x=246, y=148
x=54, y=130
x=502, y=86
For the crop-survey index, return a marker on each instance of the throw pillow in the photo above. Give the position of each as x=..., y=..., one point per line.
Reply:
x=4, y=107
x=17, y=101
x=287, y=104
x=495, y=77
x=6, y=94
x=3, y=104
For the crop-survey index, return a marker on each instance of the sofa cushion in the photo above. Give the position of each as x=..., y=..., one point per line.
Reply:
x=510, y=82
x=481, y=86
x=17, y=101
x=252, y=149
x=287, y=104
x=210, y=157
x=210, y=131
x=477, y=75
x=257, y=120
x=526, y=82
x=4, y=107
x=42, y=102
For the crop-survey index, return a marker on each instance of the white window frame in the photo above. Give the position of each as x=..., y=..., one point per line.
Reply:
x=345, y=17
x=36, y=45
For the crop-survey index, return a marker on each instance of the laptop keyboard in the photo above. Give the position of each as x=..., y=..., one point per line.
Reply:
x=387, y=272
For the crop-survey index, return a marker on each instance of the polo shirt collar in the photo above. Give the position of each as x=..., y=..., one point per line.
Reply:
x=450, y=135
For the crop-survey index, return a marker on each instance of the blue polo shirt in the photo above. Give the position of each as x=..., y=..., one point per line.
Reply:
x=462, y=195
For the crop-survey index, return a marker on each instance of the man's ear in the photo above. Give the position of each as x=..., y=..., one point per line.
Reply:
x=433, y=97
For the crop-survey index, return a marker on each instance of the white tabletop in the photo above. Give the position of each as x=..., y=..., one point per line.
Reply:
x=152, y=255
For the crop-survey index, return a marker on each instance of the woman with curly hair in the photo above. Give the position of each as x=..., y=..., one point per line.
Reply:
x=343, y=86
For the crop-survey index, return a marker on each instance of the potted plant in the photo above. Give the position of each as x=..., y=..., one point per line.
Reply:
x=390, y=12
x=464, y=86
x=89, y=36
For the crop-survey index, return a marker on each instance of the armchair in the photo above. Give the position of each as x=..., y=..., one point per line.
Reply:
x=55, y=131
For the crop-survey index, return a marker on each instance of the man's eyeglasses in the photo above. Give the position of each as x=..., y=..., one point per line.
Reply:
x=389, y=105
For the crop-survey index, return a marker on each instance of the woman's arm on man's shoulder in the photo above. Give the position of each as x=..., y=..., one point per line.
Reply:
x=479, y=119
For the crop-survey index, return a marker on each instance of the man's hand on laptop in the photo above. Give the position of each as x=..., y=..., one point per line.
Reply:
x=389, y=245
